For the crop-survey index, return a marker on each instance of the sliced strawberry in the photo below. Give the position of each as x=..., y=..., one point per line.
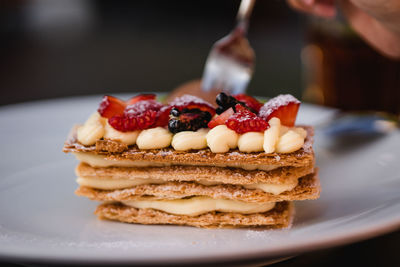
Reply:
x=162, y=117
x=111, y=106
x=142, y=106
x=141, y=97
x=251, y=102
x=221, y=119
x=284, y=107
x=145, y=112
x=138, y=116
x=146, y=120
x=127, y=123
x=244, y=121
x=122, y=123
x=192, y=102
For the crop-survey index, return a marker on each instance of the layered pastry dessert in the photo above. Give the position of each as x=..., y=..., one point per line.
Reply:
x=239, y=163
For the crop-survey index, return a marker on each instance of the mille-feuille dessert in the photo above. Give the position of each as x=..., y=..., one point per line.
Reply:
x=187, y=163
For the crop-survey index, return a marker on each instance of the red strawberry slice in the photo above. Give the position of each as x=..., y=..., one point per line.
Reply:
x=126, y=123
x=138, y=113
x=141, y=97
x=142, y=106
x=111, y=106
x=244, y=121
x=221, y=119
x=192, y=102
x=139, y=116
x=163, y=117
x=284, y=107
x=251, y=102
x=121, y=123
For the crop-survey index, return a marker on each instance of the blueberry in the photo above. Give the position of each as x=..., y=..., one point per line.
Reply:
x=175, y=112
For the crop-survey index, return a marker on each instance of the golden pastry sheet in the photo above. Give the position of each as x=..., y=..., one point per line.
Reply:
x=196, y=173
x=308, y=188
x=279, y=217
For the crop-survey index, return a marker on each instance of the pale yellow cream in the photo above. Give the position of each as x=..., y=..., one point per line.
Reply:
x=188, y=140
x=220, y=139
x=154, y=138
x=128, y=138
x=289, y=142
x=108, y=183
x=251, y=142
x=102, y=161
x=199, y=205
x=92, y=130
x=271, y=135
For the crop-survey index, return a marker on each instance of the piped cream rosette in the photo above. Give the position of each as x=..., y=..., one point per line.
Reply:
x=277, y=138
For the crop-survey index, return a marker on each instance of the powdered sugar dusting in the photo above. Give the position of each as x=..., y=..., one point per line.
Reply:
x=245, y=117
x=164, y=153
x=187, y=99
x=142, y=106
x=275, y=103
x=244, y=121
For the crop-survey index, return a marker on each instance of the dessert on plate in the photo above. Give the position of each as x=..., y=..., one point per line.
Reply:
x=240, y=164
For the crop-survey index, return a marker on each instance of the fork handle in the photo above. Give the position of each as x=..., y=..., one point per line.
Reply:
x=243, y=16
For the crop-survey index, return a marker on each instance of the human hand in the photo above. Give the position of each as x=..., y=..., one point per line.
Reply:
x=377, y=21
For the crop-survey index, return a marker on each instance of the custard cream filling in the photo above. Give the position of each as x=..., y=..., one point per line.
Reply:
x=108, y=183
x=198, y=205
x=220, y=139
x=101, y=161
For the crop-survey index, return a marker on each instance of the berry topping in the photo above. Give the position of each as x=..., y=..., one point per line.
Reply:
x=141, y=107
x=188, y=120
x=284, y=107
x=111, y=106
x=244, y=121
x=225, y=102
x=162, y=117
x=250, y=102
x=127, y=123
x=139, y=116
x=192, y=102
x=141, y=97
x=221, y=119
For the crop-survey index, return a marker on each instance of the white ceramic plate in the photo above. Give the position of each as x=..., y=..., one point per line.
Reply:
x=42, y=220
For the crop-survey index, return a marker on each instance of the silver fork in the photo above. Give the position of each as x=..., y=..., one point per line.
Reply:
x=230, y=64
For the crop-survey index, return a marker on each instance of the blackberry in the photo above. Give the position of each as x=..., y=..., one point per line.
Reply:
x=188, y=120
x=225, y=102
x=175, y=112
x=222, y=99
x=219, y=110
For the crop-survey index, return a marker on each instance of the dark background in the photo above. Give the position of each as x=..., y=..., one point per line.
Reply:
x=63, y=48
x=52, y=48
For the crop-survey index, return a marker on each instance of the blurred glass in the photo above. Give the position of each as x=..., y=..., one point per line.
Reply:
x=342, y=71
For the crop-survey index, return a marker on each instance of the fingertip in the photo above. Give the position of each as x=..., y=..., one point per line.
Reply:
x=325, y=11
x=307, y=2
x=301, y=5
